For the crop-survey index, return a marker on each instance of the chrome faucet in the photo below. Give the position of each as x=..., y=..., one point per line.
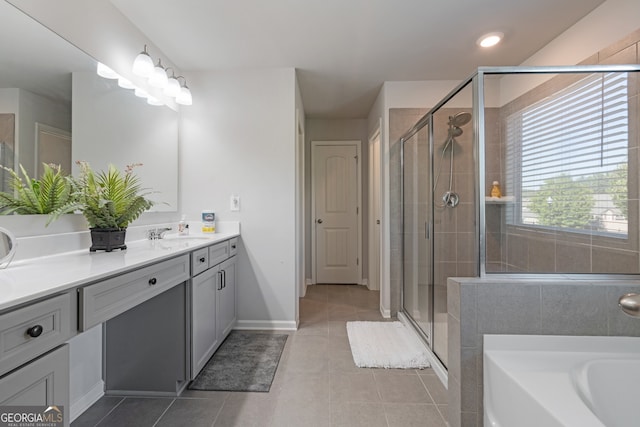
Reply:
x=630, y=304
x=157, y=233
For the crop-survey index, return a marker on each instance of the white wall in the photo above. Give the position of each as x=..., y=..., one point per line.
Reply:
x=36, y=109
x=239, y=138
x=605, y=25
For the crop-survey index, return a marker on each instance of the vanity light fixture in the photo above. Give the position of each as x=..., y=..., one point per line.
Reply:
x=143, y=64
x=172, y=88
x=159, y=77
x=152, y=100
x=125, y=84
x=490, y=39
x=141, y=93
x=184, y=97
x=106, y=72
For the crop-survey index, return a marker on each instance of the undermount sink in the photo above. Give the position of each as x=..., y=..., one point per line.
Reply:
x=561, y=381
x=187, y=237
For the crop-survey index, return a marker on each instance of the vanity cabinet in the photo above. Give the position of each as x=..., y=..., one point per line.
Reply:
x=213, y=304
x=32, y=330
x=43, y=382
x=106, y=299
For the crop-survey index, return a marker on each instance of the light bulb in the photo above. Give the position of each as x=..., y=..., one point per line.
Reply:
x=151, y=100
x=159, y=77
x=184, y=97
x=172, y=88
x=141, y=93
x=106, y=72
x=490, y=39
x=143, y=64
x=125, y=84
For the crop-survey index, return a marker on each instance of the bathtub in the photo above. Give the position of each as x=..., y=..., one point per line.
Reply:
x=561, y=381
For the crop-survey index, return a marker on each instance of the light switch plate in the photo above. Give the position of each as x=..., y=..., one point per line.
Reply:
x=235, y=202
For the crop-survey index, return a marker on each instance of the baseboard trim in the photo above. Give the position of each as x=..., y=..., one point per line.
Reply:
x=386, y=313
x=85, y=402
x=267, y=325
x=308, y=282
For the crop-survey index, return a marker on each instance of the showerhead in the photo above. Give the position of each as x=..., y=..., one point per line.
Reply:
x=460, y=119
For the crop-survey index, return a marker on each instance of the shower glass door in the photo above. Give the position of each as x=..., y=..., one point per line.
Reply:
x=417, y=284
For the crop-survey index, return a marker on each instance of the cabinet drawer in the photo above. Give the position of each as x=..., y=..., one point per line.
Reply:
x=43, y=382
x=32, y=330
x=104, y=300
x=218, y=253
x=233, y=246
x=199, y=261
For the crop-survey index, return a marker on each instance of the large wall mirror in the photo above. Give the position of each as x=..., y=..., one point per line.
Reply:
x=54, y=108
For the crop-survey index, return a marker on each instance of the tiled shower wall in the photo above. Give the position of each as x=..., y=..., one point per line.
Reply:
x=511, y=305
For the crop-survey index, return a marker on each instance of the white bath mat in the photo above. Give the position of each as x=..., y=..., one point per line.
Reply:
x=386, y=345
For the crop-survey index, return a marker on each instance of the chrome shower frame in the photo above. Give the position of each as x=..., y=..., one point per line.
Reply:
x=477, y=82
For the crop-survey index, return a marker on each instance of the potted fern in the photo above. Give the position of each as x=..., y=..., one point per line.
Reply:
x=109, y=200
x=54, y=191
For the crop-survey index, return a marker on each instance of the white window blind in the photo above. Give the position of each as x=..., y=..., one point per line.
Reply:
x=567, y=157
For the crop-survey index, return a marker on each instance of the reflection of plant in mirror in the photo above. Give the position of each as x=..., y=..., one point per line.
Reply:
x=54, y=191
x=109, y=199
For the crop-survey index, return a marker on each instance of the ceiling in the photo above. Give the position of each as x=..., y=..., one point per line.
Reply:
x=345, y=49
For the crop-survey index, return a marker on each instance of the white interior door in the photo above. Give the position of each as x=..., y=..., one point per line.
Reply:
x=336, y=210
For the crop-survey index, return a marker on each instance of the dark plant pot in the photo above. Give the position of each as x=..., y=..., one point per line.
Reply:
x=107, y=239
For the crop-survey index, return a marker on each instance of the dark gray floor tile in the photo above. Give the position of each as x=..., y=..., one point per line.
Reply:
x=97, y=412
x=136, y=412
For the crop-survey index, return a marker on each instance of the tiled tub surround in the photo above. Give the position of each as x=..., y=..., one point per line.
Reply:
x=521, y=306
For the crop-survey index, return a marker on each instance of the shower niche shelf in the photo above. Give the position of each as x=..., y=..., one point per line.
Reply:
x=499, y=200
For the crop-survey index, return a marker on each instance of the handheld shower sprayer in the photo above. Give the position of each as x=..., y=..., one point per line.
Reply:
x=450, y=198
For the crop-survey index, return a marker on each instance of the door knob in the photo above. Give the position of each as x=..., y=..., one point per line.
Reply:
x=320, y=221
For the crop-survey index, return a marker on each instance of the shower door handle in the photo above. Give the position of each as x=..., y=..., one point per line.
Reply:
x=427, y=230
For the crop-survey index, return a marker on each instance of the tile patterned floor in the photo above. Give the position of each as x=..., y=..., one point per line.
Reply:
x=317, y=383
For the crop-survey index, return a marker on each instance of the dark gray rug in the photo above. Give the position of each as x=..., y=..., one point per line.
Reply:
x=246, y=361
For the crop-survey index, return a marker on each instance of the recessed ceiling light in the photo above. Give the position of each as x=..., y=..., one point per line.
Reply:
x=490, y=39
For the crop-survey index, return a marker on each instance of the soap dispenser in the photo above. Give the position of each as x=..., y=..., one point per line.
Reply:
x=183, y=227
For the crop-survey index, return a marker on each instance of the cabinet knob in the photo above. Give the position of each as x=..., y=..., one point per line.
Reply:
x=35, y=331
x=153, y=281
x=203, y=259
x=320, y=221
x=233, y=246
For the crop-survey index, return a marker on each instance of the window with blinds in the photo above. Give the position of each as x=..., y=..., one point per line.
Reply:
x=567, y=157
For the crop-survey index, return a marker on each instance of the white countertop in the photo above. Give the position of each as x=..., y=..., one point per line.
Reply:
x=35, y=278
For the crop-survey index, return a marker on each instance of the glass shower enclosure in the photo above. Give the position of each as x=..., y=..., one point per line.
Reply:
x=561, y=143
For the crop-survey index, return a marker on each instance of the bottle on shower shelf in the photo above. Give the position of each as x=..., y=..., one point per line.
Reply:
x=495, y=190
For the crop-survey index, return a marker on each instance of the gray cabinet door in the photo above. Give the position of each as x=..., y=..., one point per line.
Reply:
x=44, y=381
x=226, y=299
x=203, y=319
